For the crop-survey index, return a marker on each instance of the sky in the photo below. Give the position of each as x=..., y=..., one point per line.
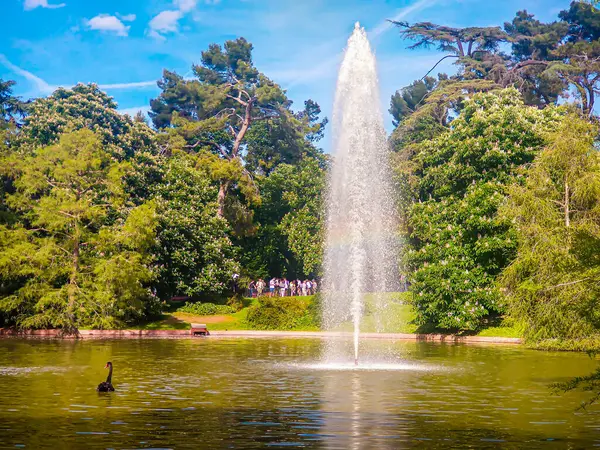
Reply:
x=123, y=45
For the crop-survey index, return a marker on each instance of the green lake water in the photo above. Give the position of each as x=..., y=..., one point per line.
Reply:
x=269, y=393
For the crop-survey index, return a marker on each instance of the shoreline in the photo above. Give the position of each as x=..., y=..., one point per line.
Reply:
x=183, y=334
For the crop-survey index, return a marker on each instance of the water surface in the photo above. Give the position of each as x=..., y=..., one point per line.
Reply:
x=273, y=393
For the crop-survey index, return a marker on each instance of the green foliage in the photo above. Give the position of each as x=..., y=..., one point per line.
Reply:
x=583, y=19
x=194, y=255
x=457, y=243
x=11, y=107
x=406, y=101
x=79, y=257
x=588, y=383
x=546, y=62
x=229, y=107
x=552, y=285
x=206, y=309
x=290, y=233
x=83, y=106
x=75, y=174
x=236, y=302
x=283, y=313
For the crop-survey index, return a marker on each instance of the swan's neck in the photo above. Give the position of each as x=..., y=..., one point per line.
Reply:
x=109, y=377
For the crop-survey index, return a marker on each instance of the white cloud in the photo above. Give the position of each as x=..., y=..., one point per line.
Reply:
x=168, y=21
x=106, y=22
x=135, y=84
x=32, y=4
x=128, y=18
x=165, y=22
x=185, y=5
x=41, y=86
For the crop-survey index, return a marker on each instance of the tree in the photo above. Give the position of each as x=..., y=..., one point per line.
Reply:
x=458, y=244
x=83, y=106
x=552, y=287
x=274, y=142
x=461, y=42
x=580, y=67
x=533, y=47
x=289, y=238
x=193, y=256
x=546, y=59
x=584, y=21
x=78, y=257
x=11, y=107
x=406, y=101
x=217, y=110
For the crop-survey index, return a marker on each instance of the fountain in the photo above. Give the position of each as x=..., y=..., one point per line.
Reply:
x=360, y=250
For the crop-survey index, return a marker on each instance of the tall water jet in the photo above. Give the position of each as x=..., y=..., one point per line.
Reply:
x=360, y=252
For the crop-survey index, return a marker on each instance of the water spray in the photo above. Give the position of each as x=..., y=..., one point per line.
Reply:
x=361, y=245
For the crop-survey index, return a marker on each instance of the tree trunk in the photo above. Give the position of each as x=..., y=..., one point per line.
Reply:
x=591, y=100
x=459, y=45
x=567, y=212
x=223, y=188
x=73, y=278
x=244, y=128
x=239, y=138
x=583, y=94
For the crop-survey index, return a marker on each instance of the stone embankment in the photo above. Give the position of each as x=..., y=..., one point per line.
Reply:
x=137, y=334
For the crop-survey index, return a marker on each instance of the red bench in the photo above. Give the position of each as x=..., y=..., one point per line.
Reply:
x=199, y=329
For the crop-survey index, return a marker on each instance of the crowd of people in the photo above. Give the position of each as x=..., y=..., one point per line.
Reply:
x=282, y=287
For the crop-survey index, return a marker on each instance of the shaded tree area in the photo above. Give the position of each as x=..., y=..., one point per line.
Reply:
x=103, y=217
x=289, y=240
x=241, y=127
x=499, y=207
x=552, y=286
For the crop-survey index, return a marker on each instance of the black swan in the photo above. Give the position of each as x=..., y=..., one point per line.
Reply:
x=106, y=386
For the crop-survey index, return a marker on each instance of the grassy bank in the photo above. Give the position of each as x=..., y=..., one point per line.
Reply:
x=399, y=318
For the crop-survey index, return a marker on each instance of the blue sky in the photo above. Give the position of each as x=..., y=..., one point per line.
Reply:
x=124, y=45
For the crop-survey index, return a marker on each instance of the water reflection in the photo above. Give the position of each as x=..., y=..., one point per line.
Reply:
x=270, y=393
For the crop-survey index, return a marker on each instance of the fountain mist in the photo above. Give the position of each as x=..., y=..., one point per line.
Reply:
x=360, y=251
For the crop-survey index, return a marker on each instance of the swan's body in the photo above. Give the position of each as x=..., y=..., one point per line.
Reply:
x=106, y=386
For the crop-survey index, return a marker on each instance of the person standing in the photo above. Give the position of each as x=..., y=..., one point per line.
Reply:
x=282, y=287
x=252, y=289
x=292, y=288
x=272, y=286
x=314, y=286
x=260, y=287
x=234, y=282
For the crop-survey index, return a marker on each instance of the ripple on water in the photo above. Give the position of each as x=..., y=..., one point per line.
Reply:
x=15, y=371
x=365, y=366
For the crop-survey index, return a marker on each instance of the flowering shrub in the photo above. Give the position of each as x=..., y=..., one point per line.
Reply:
x=458, y=244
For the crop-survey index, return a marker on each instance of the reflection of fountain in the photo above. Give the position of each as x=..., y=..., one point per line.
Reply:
x=360, y=247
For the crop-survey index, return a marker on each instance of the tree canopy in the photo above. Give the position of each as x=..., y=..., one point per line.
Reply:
x=458, y=243
x=229, y=107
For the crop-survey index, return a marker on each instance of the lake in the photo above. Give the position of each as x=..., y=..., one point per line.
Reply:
x=271, y=393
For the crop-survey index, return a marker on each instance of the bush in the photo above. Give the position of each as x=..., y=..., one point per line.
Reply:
x=236, y=303
x=284, y=313
x=206, y=309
